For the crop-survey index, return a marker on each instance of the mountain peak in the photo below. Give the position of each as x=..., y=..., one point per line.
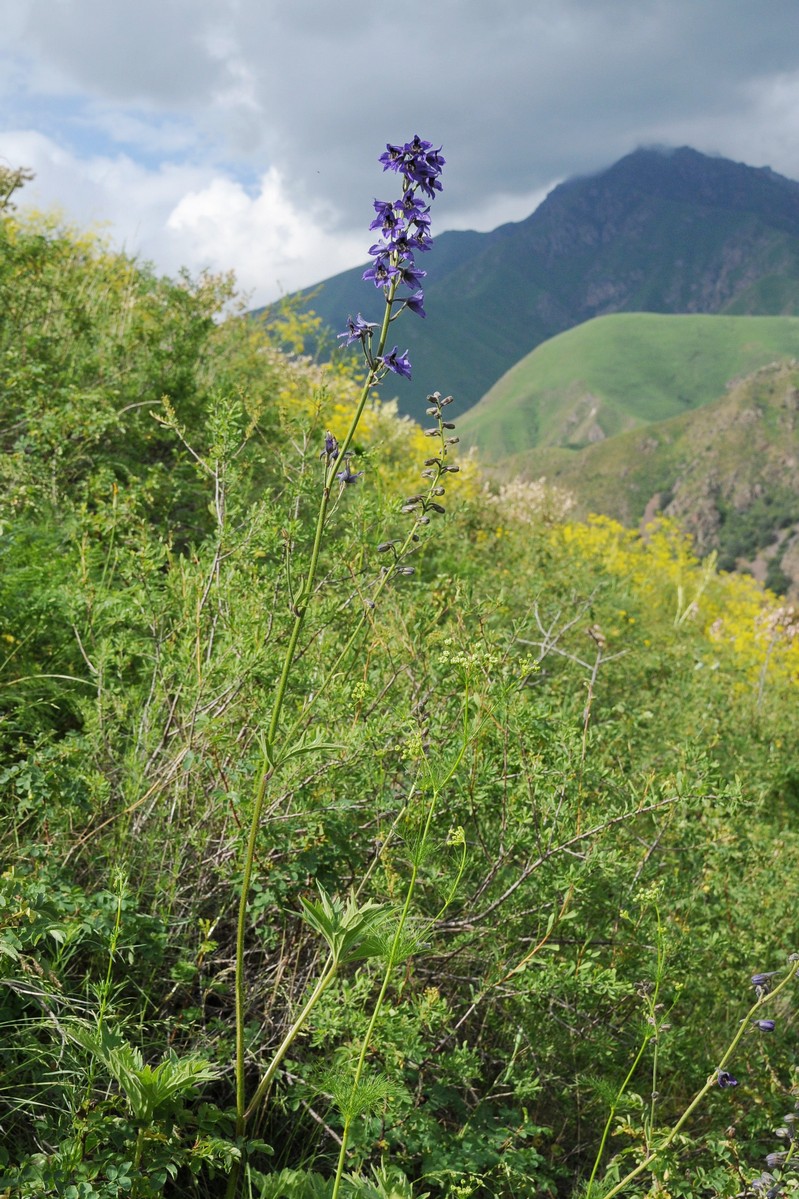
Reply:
x=664, y=230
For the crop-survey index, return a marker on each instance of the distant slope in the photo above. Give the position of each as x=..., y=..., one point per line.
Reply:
x=728, y=471
x=616, y=372
x=670, y=232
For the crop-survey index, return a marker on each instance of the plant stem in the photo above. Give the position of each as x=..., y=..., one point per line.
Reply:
x=324, y=981
x=711, y=1082
x=270, y=760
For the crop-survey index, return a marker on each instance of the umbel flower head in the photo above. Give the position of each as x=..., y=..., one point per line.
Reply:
x=404, y=228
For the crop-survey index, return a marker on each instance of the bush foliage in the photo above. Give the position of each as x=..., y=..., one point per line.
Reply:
x=606, y=725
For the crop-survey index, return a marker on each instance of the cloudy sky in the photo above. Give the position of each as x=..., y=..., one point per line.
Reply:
x=244, y=133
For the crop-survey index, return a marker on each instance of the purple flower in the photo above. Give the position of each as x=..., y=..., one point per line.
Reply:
x=410, y=275
x=346, y=476
x=418, y=162
x=387, y=219
x=415, y=303
x=764, y=1025
x=381, y=272
x=398, y=363
x=725, y=1079
x=331, y=444
x=357, y=330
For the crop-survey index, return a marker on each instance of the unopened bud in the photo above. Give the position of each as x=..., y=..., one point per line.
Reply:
x=436, y=507
x=431, y=432
x=405, y=570
x=452, y=441
x=432, y=461
x=446, y=400
x=448, y=424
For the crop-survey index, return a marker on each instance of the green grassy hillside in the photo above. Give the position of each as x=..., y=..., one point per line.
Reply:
x=729, y=472
x=619, y=372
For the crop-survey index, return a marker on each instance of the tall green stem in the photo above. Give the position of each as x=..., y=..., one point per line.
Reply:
x=271, y=759
x=387, y=976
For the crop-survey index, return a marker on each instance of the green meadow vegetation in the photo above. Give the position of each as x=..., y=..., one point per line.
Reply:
x=467, y=900
x=620, y=372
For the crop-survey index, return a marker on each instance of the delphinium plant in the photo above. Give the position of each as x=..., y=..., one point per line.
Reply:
x=352, y=930
x=770, y=1183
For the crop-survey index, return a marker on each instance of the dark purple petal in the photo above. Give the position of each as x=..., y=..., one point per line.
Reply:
x=357, y=330
x=398, y=363
x=346, y=476
x=765, y=1025
x=725, y=1079
x=415, y=303
x=381, y=272
x=410, y=275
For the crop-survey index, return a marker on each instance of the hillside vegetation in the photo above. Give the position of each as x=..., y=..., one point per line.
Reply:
x=595, y=408
x=559, y=757
x=619, y=372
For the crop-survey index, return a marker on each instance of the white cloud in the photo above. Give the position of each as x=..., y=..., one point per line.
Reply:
x=180, y=215
x=273, y=245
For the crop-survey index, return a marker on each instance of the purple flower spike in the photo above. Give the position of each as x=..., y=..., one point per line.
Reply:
x=725, y=1079
x=398, y=363
x=764, y=1025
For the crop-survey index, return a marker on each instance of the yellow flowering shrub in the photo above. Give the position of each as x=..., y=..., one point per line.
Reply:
x=731, y=610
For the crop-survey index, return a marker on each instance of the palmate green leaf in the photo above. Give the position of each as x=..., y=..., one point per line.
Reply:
x=352, y=930
x=387, y=1182
x=292, y=1184
x=146, y=1088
